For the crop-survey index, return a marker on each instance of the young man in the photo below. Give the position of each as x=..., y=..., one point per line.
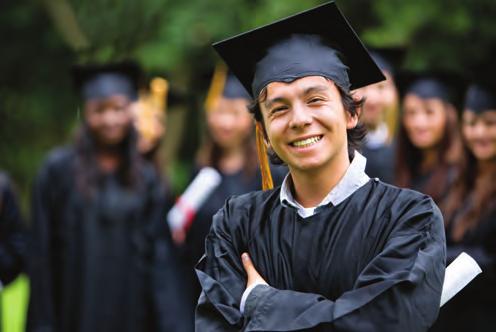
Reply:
x=331, y=249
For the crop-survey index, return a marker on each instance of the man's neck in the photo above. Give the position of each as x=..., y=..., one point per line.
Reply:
x=311, y=187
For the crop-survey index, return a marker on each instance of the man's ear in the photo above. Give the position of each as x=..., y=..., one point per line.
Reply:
x=351, y=120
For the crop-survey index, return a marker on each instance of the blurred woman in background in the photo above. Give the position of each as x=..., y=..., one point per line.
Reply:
x=428, y=144
x=380, y=115
x=101, y=260
x=470, y=215
x=230, y=149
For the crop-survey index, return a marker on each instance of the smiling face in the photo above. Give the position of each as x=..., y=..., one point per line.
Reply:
x=109, y=119
x=424, y=121
x=479, y=132
x=306, y=123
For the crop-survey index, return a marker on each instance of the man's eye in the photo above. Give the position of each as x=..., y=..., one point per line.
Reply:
x=278, y=109
x=315, y=100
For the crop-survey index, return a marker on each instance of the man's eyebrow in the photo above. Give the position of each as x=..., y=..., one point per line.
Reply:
x=269, y=102
x=312, y=89
x=317, y=88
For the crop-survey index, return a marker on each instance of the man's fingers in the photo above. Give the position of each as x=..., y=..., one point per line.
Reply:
x=247, y=264
x=252, y=273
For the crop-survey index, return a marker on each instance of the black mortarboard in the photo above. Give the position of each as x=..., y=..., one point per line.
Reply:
x=481, y=94
x=481, y=97
x=446, y=86
x=388, y=59
x=95, y=81
x=316, y=42
x=233, y=88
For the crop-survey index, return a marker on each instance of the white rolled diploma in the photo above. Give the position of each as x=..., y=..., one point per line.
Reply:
x=458, y=274
x=193, y=197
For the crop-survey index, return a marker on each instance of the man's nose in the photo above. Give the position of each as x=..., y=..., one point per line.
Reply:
x=300, y=116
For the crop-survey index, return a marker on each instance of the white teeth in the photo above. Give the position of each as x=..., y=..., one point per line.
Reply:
x=306, y=142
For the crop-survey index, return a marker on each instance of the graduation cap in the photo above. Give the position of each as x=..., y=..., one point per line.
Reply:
x=316, y=42
x=388, y=59
x=481, y=94
x=224, y=84
x=95, y=81
x=481, y=97
x=447, y=86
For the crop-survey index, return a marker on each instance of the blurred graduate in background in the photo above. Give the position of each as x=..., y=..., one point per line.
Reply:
x=428, y=147
x=100, y=260
x=470, y=213
x=230, y=149
x=380, y=115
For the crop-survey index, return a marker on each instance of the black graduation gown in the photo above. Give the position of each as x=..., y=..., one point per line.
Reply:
x=421, y=182
x=380, y=162
x=474, y=308
x=231, y=184
x=374, y=262
x=13, y=238
x=96, y=262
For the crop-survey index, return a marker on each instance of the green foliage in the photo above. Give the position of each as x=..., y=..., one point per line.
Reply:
x=38, y=108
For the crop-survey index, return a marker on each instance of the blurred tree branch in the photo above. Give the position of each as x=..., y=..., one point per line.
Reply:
x=64, y=19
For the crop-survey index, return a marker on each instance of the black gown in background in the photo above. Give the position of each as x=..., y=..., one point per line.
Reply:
x=100, y=264
x=474, y=308
x=13, y=238
x=422, y=182
x=380, y=162
x=374, y=262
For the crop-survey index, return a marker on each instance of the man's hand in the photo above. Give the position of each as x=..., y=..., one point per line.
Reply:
x=253, y=276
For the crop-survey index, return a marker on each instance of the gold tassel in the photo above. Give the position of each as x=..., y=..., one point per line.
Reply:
x=263, y=159
x=216, y=87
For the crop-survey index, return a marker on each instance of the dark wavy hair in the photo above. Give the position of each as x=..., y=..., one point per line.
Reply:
x=479, y=190
x=89, y=174
x=211, y=154
x=350, y=104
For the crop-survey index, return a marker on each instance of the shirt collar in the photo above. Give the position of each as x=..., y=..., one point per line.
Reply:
x=353, y=179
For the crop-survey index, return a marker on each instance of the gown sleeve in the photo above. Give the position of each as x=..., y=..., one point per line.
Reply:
x=222, y=278
x=399, y=289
